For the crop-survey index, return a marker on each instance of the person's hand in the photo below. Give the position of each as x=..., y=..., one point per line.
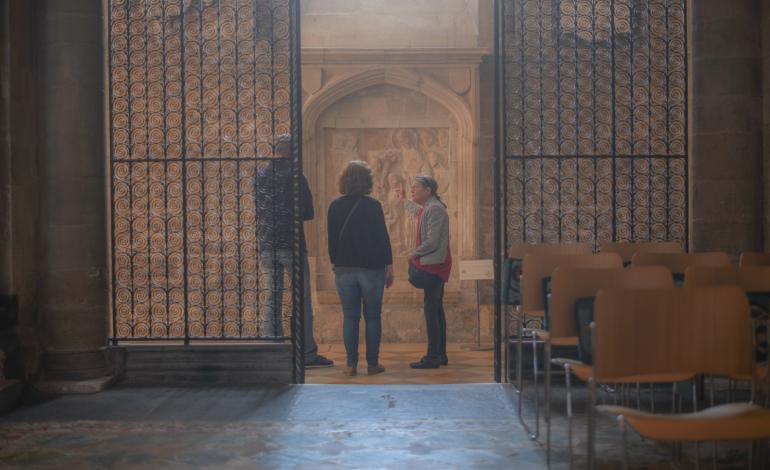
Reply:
x=389, y=277
x=401, y=192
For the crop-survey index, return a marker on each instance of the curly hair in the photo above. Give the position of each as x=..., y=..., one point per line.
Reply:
x=356, y=178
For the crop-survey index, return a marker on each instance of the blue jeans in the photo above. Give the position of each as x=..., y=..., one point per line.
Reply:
x=355, y=289
x=272, y=264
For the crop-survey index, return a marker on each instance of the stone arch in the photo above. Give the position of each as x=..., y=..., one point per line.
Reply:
x=461, y=113
x=336, y=90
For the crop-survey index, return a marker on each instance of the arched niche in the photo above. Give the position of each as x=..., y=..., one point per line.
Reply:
x=376, y=121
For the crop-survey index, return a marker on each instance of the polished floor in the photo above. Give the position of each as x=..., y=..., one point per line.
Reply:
x=465, y=366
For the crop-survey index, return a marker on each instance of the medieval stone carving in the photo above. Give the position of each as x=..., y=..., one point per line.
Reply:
x=396, y=156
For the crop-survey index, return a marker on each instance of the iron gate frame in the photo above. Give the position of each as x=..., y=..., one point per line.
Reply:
x=614, y=157
x=503, y=157
x=296, y=276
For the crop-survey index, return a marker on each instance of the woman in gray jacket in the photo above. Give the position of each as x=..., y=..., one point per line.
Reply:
x=430, y=264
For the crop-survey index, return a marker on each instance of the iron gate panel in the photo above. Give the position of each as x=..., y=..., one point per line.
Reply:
x=199, y=92
x=595, y=120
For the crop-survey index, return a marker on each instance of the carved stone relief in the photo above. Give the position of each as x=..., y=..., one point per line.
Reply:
x=396, y=156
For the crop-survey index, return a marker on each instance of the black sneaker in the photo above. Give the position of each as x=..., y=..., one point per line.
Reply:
x=444, y=360
x=319, y=362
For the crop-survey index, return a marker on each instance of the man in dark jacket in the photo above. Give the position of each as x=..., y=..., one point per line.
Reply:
x=274, y=199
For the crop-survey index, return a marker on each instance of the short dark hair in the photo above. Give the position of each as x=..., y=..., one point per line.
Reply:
x=356, y=178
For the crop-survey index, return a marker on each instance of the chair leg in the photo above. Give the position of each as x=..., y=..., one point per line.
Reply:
x=547, y=366
x=624, y=431
x=519, y=340
x=591, y=422
x=652, y=398
x=568, y=386
x=638, y=396
x=519, y=348
x=697, y=455
x=536, y=433
x=673, y=398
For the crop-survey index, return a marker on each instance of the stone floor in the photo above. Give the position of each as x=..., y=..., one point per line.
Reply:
x=310, y=426
x=464, y=426
x=465, y=366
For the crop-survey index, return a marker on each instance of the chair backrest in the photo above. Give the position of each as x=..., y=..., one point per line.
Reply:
x=626, y=250
x=750, y=279
x=539, y=266
x=570, y=284
x=754, y=258
x=679, y=262
x=520, y=250
x=704, y=330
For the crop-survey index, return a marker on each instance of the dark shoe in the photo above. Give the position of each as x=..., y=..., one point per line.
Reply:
x=378, y=369
x=425, y=364
x=444, y=360
x=318, y=363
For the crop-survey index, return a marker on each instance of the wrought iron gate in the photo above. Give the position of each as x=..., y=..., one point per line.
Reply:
x=594, y=120
x=200, y=91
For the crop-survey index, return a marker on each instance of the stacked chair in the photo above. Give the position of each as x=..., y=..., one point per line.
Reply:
x=750, y=259
x=755, y=282
x=641, y=334
x=678, y=263
x=627, y=250
x=513, y=269
x=568, y=287
x=624, y=314
x=537, y=269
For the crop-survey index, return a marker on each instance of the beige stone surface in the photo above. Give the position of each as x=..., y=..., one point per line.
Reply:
x=371, y=24
x=406, y=323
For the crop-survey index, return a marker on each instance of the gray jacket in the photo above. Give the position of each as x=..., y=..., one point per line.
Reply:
x=434, y=231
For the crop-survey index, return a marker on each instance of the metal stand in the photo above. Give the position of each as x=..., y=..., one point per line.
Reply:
x=478, y=323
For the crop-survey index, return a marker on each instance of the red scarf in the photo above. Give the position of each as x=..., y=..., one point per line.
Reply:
x=441, y=270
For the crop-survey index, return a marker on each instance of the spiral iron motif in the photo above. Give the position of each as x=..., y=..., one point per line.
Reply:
x=595, y=120
x=199, y=89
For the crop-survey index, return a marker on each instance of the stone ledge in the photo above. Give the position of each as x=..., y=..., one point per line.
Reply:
x=74, y=387
x=10, y=393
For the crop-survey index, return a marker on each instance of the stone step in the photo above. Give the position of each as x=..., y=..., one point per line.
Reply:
x=391, y=297
x=209, y=364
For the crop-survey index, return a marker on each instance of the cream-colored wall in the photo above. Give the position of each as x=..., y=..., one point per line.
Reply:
x=385, y=24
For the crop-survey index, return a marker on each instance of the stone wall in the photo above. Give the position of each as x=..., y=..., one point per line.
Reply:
x=377, y=24
x=726, y=141
x=19, y=181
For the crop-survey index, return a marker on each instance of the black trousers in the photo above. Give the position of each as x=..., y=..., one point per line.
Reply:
x=435, y=319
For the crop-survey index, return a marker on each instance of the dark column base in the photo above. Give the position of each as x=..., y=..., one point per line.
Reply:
x=76, y=364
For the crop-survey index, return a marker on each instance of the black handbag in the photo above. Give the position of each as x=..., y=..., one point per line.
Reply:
x=422, y=279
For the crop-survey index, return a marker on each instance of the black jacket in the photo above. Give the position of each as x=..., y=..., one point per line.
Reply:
x=273, y=187
x=365, y=242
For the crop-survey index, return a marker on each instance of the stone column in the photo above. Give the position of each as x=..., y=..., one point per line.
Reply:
x=72, y=226
x=6, y=240
x=726, y=151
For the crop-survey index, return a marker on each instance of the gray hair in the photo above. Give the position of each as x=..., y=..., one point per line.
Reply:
x=430, y=183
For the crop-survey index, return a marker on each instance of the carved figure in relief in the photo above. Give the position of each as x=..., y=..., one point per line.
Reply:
x=345, y=145
x=394, y=211
x=440, y=170
x=413, y=163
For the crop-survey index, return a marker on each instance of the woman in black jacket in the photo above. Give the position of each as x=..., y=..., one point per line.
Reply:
x=359, y=249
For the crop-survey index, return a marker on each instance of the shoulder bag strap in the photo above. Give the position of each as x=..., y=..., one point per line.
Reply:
x=347, y=219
